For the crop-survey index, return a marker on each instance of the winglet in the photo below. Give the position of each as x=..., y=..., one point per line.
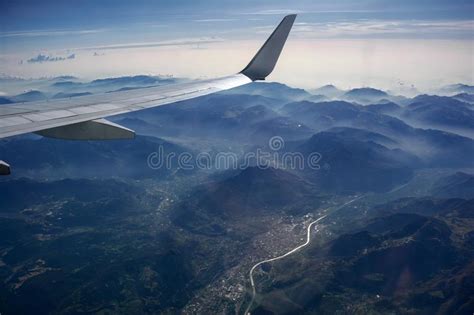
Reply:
x=265, y=59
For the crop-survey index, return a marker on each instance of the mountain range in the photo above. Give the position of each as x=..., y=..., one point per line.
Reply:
x=93, y=227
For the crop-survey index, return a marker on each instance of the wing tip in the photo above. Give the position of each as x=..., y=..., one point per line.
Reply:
x=266, y=58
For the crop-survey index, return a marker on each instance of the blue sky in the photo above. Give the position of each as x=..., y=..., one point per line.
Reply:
x=110, y=29
x=58, y=13
x=20, y=15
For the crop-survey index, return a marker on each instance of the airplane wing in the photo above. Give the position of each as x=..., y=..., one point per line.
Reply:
x=81, y=118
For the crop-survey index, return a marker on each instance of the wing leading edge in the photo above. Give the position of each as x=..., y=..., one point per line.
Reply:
x=81, y=118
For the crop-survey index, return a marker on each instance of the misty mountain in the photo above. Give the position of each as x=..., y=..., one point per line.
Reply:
x=329, y=91
x=363, y=135
x=436, y=148
x=318, y=98
x=255, y=188
x=272, y=90
x=252, y=192
x=325, y=115
x=138, y=80
x=52, y=158
x=5, y=100
x=66, y=84
x=230, y=117
x=30, y=96
x=353, y=165
x=405, y=90
x=64, y=78
x=284, y=127
x=255, y=119
x=320, y=115
x=457, y=89
x=464, y=97
x=440, y=111
x=384, y=108
x=115, y=83
x=89, y=227
x=365, y=95
x=69, y=95
x=441, y=149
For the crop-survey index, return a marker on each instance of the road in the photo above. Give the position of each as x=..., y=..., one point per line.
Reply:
x=308, y=239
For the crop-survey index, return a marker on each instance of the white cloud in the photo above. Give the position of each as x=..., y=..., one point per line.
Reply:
x=214, y=20
x=292, y=11
x=36, y=33
x=274, y=12
x=386, y=28
x=380, y=29
x=175, y=42
x=306, y=63
x=40, y=58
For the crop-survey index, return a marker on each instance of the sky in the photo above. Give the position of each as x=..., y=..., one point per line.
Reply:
x=395, y=45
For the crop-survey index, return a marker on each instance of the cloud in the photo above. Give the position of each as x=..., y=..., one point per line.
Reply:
x=214, y=20
x=36, y=33
x=281, y=12
x=274, y=12
x=46, y=58
x=383, y=29
x=175, y=42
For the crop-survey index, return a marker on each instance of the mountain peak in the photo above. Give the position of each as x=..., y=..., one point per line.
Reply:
x=328, y=90
x=457, y=88
x=366, y=91
x=329, y=86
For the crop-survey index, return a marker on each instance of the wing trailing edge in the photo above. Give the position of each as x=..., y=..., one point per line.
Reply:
x=99, y=129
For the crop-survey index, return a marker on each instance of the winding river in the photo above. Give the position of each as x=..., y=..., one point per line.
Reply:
x=308, y=239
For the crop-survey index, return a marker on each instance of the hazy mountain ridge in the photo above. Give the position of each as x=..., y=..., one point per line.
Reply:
x=456, y=89
x=91, y=227
x=252, y=192
x=63, y=159
x=362, y=95
x=42, y=89
x=441, y=111
x=355, y=165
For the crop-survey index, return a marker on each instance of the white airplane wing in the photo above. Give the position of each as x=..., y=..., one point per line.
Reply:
x=81, y=118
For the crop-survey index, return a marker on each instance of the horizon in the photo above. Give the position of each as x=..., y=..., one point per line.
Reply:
x=391, y=47
x=409, y=92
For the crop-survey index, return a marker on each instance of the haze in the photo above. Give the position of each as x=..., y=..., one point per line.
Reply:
x=349, y=44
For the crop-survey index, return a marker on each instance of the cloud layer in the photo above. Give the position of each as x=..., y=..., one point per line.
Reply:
x=401, y=29
x=40, y=58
